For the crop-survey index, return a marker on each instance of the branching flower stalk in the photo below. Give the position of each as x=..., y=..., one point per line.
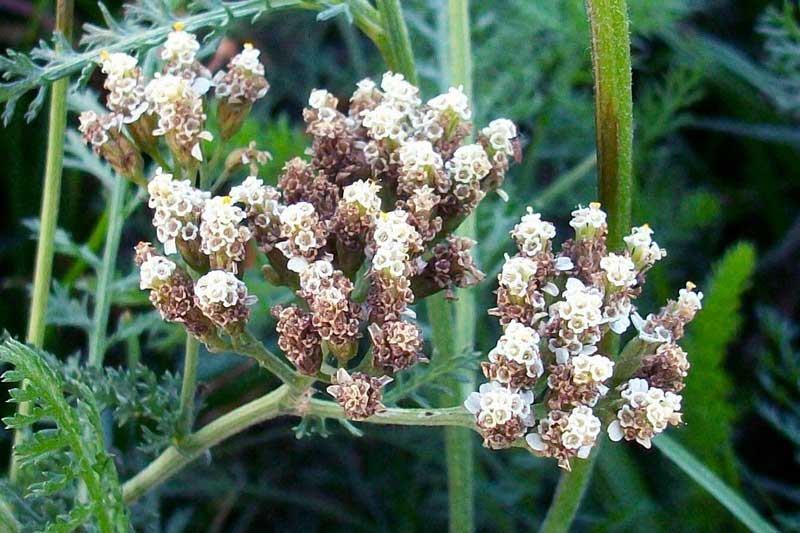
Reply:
x=611, y=60
x=51, y=194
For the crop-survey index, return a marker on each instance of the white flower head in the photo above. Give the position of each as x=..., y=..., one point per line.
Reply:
x=515, y=275
x=689, y=301
x=453, y=101
x=469, y=164
x=364, y=193
x=591, y=368
x=181, y=47
x=500, y=133
x=532, y=233
x=321, y=99
x=219, y=287
x=588, y=221
x=118, y=64
x=155, y=270
x=248, y=60
x=619, y=269
x=643, y=249
x=385, y=122
x=519, y=343
x=495, y=404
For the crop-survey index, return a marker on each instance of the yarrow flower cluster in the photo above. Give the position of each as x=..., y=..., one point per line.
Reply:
x=554, y=310
x=360, y=230
x=171, y=105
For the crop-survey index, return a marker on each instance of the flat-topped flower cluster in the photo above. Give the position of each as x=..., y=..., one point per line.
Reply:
x=550, y=382
x=361, y=229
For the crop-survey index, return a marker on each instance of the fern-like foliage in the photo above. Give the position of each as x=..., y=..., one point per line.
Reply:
x=65, y=451
x=136, y=396
x=779, y=402
x=708, y=409
x=708, y=388
x=781, y=31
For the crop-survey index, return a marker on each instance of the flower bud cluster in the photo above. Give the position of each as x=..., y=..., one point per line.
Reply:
x=554, y=310
x=171, y=292
x=359, y=394
x=172, y=104
x=177, y=207
x=646, y=411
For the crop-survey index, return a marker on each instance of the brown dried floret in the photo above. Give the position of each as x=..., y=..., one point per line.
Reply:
x=396, y=345
x=666, y=369
x=359, y=394
x=298, y=339
x=300, y=183
x=452, y=265
x=564, y=394
x=388, y=298
x=586, y=255
x=509, y=372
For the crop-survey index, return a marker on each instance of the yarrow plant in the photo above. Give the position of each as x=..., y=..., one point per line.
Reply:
x=361, y=229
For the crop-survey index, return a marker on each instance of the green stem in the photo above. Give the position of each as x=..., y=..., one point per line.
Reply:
x=188, y=385
x=611, y=59
x=173, y=459
x=276, y=403
x=7, y=520
x=569, y=493
x=105, y=277
x=248, y=345
x=54, y=166
x=459, y=451
x=400, y=54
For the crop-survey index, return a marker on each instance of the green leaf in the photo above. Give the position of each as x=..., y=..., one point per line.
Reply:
x=708, y=386
x=704, y=477
x=73, y=449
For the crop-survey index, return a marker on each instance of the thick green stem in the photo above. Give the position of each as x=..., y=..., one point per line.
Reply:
x=54, y=165
x=569, y=493
x=105, y=277
x=611, y=60
x=400, y=56
x=279, y=402
x=188, y=385
x=173, y=459
x=459, y=451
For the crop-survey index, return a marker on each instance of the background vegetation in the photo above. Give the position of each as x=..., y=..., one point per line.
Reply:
x=716, y=85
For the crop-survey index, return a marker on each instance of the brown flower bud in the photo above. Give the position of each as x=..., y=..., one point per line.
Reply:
x=396, y=345
x=298, y=339
x=359, y=394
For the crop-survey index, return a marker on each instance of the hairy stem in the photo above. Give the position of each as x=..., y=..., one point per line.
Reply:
x=97, y=339
x=459, y=450
x=188, y=385
x=400, y=56
x=248, y=345
x=54, y=165
x=569, y=493
x=276, y=403
x=611, y=60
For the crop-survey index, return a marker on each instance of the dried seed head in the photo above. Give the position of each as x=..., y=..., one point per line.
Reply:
x=359, y=394
x=298, y=339
x=396, y=345
x=666, y=369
